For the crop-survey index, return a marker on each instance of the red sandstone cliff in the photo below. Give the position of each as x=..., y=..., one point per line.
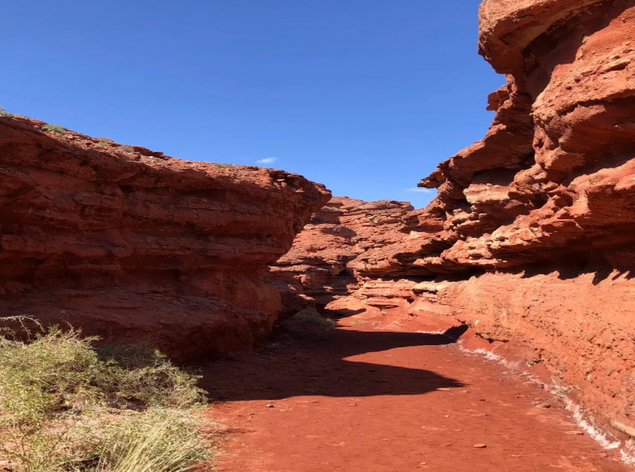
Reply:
x=530, y=238
x=125, y=242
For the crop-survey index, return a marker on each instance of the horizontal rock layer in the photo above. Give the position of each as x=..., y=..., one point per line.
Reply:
x=125, y=242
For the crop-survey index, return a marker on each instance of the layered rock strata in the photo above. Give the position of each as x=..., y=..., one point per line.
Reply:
x=530, y=238
x=124, y=242
x=316, y=272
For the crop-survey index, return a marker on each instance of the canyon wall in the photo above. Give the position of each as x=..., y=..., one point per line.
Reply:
x=530, y=238
x=124, y=242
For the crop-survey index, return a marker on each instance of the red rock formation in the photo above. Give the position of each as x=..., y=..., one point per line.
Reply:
x=530, y=238
x=558, y=272
x=125, y=242
x=314, y=272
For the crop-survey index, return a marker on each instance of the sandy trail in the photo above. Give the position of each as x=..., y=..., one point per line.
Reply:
x=361, y=400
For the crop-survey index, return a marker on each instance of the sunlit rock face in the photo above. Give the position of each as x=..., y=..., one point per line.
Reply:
x=319, y=268
x=124, y=242
x=530, y=238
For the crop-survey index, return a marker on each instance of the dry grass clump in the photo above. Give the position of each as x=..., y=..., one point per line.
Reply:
x=313, y=318
x=159, y=440
x=55, y=128
x=68, y=407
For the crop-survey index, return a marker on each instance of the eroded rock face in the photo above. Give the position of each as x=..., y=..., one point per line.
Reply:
x=554, y=174
x=124, y=242
x=317, y=270
x=529, y=240
x=546, y=227
x=557, y=272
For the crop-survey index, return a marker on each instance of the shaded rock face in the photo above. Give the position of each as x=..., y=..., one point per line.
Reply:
x=124, y=242
x=530, y=238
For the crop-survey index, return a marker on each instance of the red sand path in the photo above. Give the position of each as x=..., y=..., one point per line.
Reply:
x=360, y=400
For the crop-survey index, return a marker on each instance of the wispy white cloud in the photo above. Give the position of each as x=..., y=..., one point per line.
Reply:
x=268, y=160
x=419, y=189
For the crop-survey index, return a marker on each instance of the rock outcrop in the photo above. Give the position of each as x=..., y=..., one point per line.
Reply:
x=557, y=251
x=316, y=272
x=124, y=242
x=530, y=238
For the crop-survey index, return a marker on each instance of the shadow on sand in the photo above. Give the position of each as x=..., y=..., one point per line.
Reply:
x=301, y=361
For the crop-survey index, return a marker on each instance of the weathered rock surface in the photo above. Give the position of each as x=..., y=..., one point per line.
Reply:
x=316, y=270
x=554, y=175
x=530, y=238
x=128, y=243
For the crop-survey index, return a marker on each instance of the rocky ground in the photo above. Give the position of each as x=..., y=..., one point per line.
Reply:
x=361, y=399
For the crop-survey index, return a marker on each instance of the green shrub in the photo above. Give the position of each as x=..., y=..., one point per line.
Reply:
x=55, y=128
x=65, y=406
x=4, y=113
x=43, y=386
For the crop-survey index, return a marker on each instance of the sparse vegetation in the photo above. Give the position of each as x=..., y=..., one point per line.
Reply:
x=65, y=406
x=138, y=372
x=127, y=148
x=4, y=113
x=55, y=128
x=560, y=392
x=105, y=142
x=313, y=318
x=158, y=440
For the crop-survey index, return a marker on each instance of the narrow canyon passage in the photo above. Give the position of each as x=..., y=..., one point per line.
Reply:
x=356, y=399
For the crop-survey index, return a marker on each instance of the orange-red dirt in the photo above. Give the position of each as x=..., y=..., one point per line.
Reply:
x=360, y=399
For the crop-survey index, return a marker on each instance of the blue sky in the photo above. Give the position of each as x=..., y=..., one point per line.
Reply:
x=365, y=96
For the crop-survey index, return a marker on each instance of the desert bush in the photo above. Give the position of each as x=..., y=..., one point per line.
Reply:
x=44, y=385
x=55, y=128
x=65, y=406
x=139, y=372
x=313, y=318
